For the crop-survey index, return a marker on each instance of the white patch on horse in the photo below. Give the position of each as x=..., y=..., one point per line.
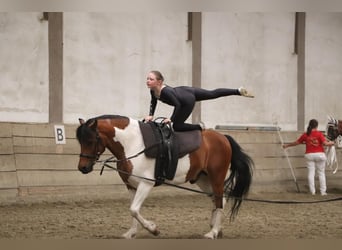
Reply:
x=132, y=140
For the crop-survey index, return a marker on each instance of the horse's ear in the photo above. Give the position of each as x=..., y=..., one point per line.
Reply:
x=81, y=121
x=332, y=119
x=93, y=124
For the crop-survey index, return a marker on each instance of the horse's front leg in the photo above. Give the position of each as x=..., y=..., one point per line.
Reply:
x=141, y=194
x=131, y=233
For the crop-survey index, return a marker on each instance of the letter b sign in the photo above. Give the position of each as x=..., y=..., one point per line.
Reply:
x=60, y=134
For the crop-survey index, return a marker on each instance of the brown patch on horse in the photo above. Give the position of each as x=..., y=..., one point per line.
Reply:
x=201, y=161
x=106, y=128
x=127, y=167
x=198, y=161
x=340, y=127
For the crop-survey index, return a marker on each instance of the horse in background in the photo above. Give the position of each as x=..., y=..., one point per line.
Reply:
x=334, y=128
x=207, y=166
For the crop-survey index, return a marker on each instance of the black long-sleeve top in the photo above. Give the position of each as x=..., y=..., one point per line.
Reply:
x=168, y=95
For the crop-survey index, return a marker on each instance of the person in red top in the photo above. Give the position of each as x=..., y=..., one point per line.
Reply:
x=314, y=155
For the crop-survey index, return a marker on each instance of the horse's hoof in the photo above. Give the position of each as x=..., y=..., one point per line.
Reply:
x=209, y=236
x=128, y=236
x=213, y=235
x=156, y=232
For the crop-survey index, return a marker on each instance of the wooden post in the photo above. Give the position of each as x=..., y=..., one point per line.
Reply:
x=196, y=38
x=300, y=49
x=55, y=30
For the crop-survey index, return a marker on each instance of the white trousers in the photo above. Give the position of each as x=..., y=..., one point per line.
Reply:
x=316, y=162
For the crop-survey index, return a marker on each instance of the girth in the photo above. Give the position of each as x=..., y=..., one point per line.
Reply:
x=170, y=146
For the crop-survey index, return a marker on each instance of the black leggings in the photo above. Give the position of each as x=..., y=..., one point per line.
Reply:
x=188, y=96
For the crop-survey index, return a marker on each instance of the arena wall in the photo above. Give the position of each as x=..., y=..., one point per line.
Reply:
x=33, y=165
x=106, y=57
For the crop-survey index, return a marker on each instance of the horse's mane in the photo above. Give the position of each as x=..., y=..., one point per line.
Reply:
x=84, y=132
x=101, y=117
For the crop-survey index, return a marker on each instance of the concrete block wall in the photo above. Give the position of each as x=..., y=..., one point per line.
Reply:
x=8, y=176
x=272, y=172
x=272, y=168
x=32, y=164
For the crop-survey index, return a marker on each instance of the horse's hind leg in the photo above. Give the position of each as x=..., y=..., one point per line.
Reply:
x=219, y=203
x=216, y=224
x=216, y=220
x=216, y=214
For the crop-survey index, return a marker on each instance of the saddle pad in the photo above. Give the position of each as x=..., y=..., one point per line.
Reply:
x=187, y=141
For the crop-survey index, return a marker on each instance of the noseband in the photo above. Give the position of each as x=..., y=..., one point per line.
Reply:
x=97, y=156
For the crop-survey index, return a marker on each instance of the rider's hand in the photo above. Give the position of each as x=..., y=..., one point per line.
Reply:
x=148, y=118
x=167, y=121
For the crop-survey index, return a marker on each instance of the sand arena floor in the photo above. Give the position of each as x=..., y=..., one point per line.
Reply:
x=179, y=215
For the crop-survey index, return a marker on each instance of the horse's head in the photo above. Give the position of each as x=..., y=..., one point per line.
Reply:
x=91, y=145
x=332, y=128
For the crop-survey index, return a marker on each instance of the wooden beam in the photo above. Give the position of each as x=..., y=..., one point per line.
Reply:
x=196, y=38
x=300, y=49
x=55, y=30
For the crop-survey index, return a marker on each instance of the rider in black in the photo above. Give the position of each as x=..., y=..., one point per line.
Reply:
x=183, y=99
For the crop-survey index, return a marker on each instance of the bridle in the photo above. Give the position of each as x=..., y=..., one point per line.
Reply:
x=96, y=156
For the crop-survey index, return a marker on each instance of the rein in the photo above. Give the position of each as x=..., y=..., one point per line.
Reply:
x=154, y=180
x=105, y=164
x=112, y=159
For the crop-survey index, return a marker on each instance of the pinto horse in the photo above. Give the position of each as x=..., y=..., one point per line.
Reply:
x=334, y=128
x=207, y=166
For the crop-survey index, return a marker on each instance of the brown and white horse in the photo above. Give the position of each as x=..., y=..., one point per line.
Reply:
x=334, y=128
x=208, y=167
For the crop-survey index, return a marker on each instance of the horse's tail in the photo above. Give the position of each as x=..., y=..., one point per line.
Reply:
x=237, y=185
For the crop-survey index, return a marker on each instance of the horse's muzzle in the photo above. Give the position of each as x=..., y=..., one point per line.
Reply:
x=86, y=169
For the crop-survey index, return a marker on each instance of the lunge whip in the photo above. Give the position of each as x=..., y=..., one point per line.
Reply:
x=287, y=157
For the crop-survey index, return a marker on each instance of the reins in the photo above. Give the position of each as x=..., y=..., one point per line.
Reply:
x=294, y=202
x=112, y=160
